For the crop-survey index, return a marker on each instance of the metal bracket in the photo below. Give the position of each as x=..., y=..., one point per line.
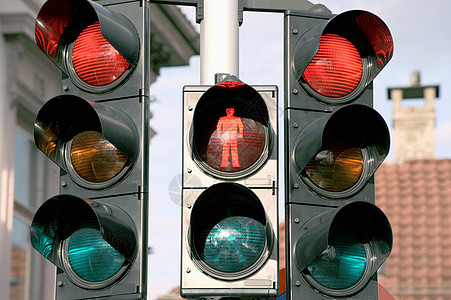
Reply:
x=275, y=6
x=279, y=6
x=219, y=77
x=199, y=4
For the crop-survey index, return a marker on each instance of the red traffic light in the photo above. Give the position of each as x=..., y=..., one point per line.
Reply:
x=96, y=47
x=231, y=132
x=96, y=62
x=335, y=141
x=335, y=61
x=229, y=191
x=336, y=69
x=97, y=132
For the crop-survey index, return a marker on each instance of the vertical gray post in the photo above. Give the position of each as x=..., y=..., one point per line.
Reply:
x=219, y=39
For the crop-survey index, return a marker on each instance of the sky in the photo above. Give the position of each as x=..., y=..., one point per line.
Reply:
x=420, y=32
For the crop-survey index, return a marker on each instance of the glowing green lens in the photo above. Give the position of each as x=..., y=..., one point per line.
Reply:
x=91, y=257
x=342, y=264
x=234, y=244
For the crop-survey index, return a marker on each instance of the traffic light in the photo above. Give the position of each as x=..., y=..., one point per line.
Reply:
x=96, y=131
x=229, y=193
x=337, y=238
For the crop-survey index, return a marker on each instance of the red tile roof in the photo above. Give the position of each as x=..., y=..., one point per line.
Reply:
x=416, y=197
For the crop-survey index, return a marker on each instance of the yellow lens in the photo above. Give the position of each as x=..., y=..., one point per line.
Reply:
x=49, y=142
x=337, y=167
x=94, y=158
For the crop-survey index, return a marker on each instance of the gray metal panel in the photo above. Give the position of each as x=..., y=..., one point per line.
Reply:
x=263, y=282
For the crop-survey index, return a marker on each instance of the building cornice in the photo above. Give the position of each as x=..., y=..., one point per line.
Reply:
x=17, y=24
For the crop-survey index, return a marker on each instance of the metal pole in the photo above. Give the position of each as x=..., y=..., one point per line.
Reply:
x=219, y=39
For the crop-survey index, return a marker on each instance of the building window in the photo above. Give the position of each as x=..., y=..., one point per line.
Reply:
x=20, y=254
x=27, y=265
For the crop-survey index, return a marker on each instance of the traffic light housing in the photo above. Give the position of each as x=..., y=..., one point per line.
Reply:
x=337, y=238
x=96, y=131
x=229, y=193
x=97, y=46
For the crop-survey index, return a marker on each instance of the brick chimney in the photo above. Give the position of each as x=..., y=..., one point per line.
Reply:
x=414, y=126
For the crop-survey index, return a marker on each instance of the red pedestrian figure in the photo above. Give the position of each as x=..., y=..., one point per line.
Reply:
x=229, y=129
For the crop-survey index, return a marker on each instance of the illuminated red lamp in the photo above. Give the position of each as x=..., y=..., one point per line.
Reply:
x=231, y=131
x=94, y=46
x=95, y=60
x=336, y=69
x=336, y=62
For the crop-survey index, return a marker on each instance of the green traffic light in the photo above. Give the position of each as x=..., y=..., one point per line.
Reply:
x=234, y=244
x=342, y=265
x=91, y=257
x=229, y=232
x=42, y=238
x=81, y=238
